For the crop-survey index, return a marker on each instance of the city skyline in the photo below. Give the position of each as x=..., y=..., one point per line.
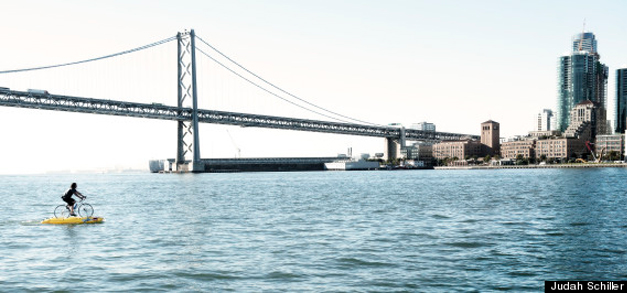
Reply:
x=401, y=62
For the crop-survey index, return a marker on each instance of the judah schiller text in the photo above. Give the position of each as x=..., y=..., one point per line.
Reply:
x=580, y=286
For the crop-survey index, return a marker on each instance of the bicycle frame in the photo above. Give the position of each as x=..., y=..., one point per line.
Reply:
x=76, y=203
x=80, y=207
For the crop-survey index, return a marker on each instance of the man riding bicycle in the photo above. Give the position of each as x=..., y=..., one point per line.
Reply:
x=67, y=197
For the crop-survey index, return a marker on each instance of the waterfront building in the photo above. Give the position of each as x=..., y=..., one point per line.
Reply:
x=462, y=149
x=420, y=151
x=424, y=126
x=560, y=148
x=610, y=143
x=490, y=132
x=525, y=148
x=581, y=77
x=458, y=148
x=587, y=119
x=620, y=114
x=546, y=120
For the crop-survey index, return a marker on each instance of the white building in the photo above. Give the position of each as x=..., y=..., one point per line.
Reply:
x=546, y=120
x=424, y=126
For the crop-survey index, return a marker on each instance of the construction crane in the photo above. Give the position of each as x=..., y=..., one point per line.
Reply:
x=239, y=151
x=583, y=30
x=596, y=159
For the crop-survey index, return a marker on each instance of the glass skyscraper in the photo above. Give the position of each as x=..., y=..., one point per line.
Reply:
x=581, y=77
x=586, y=41
x=621, y=101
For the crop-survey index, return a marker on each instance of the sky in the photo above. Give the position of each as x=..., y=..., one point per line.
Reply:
x=452, y=63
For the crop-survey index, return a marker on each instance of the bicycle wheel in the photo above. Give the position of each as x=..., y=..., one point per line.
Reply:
x=85, y=210
x=61, y=211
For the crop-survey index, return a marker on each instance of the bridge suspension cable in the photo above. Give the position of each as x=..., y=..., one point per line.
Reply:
x=266, y=90
x=274, y=86
x=345, y=118
x=92, y=59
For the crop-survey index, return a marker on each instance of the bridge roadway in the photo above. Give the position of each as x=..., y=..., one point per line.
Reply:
x=46, y=101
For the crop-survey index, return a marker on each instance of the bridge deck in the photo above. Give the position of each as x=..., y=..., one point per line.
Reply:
x=48, y=101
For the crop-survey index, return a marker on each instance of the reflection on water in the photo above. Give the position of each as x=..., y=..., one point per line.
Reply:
x=70, y=242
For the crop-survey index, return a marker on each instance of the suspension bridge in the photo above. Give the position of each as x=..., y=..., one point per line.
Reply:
x=188, y=115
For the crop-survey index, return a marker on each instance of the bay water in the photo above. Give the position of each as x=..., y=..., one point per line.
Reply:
x=371, y=231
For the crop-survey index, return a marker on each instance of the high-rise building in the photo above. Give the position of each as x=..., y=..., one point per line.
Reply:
x=546, y=120
x=585, y=42
x=581, y=77
x=620, y=116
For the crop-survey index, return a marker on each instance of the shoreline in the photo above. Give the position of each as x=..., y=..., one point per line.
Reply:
x=553, y=166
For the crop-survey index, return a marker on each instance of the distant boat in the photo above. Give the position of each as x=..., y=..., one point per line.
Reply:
x=346, y=165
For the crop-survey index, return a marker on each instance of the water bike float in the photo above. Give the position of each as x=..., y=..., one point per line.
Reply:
x=73, y=220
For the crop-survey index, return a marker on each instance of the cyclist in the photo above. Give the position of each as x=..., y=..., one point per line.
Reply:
x=67, y=197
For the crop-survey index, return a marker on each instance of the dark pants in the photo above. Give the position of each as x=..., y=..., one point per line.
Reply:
x=70, y=201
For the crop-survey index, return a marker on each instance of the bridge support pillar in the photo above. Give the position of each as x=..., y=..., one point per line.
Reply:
x=393, y=149
x=394, y=145
x=188, y=148
x=402, y=139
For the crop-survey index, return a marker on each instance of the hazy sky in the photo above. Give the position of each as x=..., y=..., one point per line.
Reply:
x=452, y=63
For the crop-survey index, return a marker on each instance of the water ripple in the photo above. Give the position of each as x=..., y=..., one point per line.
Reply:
x=415, y=231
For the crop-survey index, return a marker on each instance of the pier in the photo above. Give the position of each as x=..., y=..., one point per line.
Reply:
x=250, y=164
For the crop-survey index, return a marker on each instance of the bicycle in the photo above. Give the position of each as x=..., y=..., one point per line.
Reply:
x=82, y=208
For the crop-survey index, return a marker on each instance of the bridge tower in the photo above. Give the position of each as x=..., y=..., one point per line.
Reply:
x=188, y=140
